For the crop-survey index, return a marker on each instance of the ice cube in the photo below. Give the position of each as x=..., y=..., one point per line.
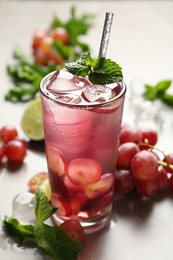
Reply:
x=62, y=81
x=69, y=99
x=23, y=207
x=80, y=82
x=98, y=93
x=60, y=85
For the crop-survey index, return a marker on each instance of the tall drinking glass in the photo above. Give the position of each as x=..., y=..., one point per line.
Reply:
x=81, y=127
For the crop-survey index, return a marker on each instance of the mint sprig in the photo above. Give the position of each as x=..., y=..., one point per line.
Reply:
x=100, y=71
x=50, y=240
x=159, y=91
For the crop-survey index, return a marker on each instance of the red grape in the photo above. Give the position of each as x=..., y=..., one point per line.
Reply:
x=83, y=171
x=126, y=152
x=2, y=152
x=37, y=38
x=100, y=187
x=8, y=133
x=146, y=188
x=171, y=182
x=124, y=181
x=63, y=205
x=144, y=165
x=60, y=34
x=129, y=134
x=40, y=57
x=77, y=201
x=56, y=160
x=15, y=151
x=24, y=141
x=36, y=181
x=149, y=136
x=162, y=178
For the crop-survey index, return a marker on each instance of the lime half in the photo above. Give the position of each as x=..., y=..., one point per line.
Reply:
x=32, y=124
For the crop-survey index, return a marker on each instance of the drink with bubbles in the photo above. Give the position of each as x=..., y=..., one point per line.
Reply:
x=81, y=126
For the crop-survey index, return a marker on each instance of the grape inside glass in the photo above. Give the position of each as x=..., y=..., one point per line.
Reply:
x=81, y=127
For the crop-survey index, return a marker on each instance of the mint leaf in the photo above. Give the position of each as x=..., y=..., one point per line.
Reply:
x=106, y=66
x=102, y=79
x=81, y=67
x=150, y=92
x=167, y=99
x=69, y=247
x=55, y=242
x=46, y=239
x=43, y=209
x=21, y=233
x=77, y=69
x=105, y=71
x=99, y=71
x=86, y=59
x=162, y=86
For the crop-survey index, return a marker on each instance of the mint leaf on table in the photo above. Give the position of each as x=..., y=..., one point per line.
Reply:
x=46, y=239
x=50, y=240
x=167, y=99
x=159, y=91
x=69, y=247
x=153, y=92
x=26, y=76
x=150, y=92
x=100, y=71
x=162, y=86
x=21, y=233
x=55, y=242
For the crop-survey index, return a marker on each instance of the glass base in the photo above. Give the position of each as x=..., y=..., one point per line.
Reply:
x=89, y=226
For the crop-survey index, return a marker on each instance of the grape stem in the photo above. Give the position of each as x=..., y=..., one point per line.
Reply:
x=152, y=147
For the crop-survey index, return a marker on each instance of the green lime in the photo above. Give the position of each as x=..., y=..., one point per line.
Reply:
x=32, y=124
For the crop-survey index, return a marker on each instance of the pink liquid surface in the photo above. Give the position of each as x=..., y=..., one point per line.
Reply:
x=81, y=137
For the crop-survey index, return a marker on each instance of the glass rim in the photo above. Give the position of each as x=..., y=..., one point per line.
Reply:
x=88, y=105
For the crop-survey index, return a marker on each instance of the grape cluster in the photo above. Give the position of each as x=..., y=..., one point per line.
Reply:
x=12, y=147
x=42, y=42
x=140, y=164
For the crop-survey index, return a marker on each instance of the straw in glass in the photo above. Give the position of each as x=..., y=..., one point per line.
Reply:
x=106, y=34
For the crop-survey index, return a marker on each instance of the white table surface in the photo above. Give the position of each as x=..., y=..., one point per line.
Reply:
x=142, y=43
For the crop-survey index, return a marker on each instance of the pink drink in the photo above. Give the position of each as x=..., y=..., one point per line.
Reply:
x=81, y=125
